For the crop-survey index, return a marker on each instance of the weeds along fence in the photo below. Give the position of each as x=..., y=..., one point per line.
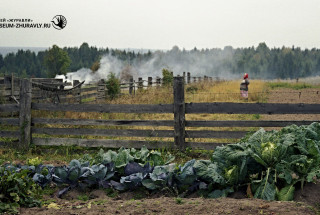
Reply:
x=25, y=130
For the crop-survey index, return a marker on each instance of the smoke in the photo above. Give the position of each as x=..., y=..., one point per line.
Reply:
x=212, y=63
x=108, y=64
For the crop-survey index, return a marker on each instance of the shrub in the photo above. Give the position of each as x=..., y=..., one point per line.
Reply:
x=95, y=66
x=17, y=189
x=167, y=77
x=113, y=86
x=192, y=89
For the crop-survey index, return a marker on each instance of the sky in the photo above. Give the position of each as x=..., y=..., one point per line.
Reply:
x=162, y=24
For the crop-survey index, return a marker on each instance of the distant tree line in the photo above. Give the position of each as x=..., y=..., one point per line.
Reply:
x=259, y=62
x=42, y=65
x=277, y=62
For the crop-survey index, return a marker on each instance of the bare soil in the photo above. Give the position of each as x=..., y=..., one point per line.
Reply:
x=129, y=203
x=306, y=201
x=306, y=96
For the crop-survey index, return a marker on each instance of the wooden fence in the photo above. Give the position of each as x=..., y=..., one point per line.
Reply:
x=10, y=88
x=178, y=129
x=10, y=91
x=133, y=85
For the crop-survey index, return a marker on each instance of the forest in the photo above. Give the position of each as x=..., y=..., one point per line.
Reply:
x=260, y=62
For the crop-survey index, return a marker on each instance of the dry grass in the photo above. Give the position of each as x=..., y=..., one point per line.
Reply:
x=223, y=91
x=226, y=91
x=152, y=95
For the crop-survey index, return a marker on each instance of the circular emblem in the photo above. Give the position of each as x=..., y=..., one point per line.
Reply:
x=59, y=22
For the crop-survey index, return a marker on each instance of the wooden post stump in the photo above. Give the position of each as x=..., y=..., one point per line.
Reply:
x=140, y=84
x=188, y=78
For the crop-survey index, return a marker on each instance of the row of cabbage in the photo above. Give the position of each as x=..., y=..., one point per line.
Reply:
x=268, y=164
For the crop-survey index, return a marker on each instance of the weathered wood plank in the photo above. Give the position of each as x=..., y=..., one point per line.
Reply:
x=102, y=143
x=25, y=114
x=104, y=132
x=245, y=123
x=106, y=108
x=9, y=144
x=252, y=108
x=9, y=108
x=9, y=134
x=9, y=93
x=204, y=145
x=179, y=112
x=102, y=122
x=91, y=95
x=9, y=121
x=47, y=80
x=89, y=89
x=215, y=134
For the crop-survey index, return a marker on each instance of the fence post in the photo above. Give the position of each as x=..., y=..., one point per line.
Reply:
x=25, y=114
x=184, y=77
x=158, y=81
x=130, y=85
x=188, y=77
x=140, y=84
x=179, y=112
x=101, y=90
x=12, y=85
x=77, y=92
x=149, y=81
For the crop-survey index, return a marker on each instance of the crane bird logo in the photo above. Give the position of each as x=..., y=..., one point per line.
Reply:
x=59, y=22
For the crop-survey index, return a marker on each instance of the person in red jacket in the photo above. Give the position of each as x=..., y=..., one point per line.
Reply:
x=244, y=86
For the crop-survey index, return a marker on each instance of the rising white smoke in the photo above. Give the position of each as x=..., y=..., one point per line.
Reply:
x=212, y=63
x=108, y=64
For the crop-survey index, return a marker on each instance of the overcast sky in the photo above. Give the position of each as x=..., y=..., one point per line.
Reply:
x=161, y=24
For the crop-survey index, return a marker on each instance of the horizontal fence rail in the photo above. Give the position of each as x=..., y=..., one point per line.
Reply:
x=104, y=132
x=252, y=108
x=106, y=108
x=99, y=122
x=9, y=121
x=9, y=108
x=215, y=134
x=14, y=134
x=102, y=143
x=245, y=123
